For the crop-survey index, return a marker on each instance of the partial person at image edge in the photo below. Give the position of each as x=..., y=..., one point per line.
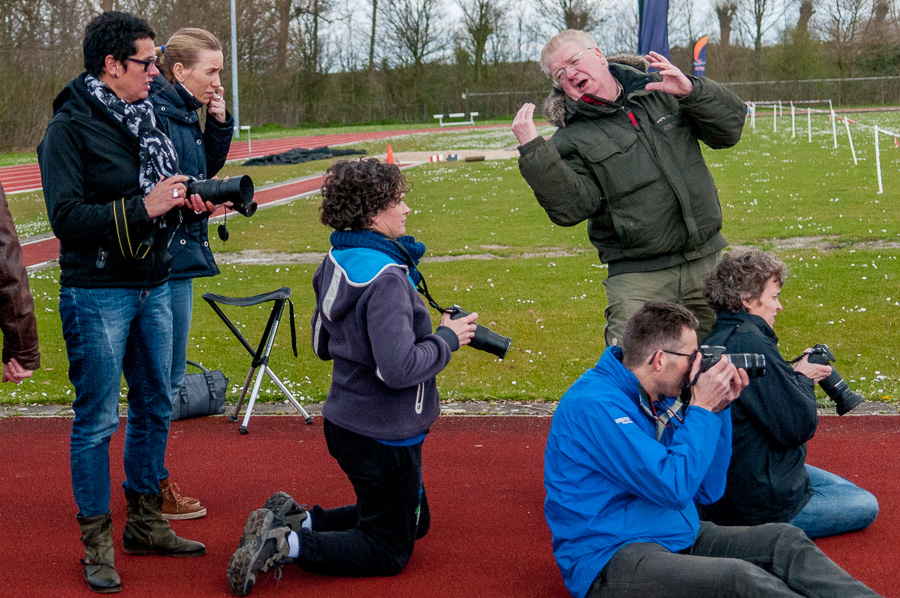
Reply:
x=21, y=354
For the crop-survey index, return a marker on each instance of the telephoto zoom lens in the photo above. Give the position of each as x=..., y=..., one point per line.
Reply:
x=485, y=339
x=238, y=190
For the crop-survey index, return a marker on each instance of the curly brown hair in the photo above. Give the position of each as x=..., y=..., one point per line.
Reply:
x=356, y=191
x=742, y=276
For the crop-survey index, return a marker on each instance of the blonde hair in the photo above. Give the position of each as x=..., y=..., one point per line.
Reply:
x=582, y=38
x=185, y=47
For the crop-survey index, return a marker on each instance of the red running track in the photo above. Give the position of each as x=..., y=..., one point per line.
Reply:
x=488, y=536
x=27, y=177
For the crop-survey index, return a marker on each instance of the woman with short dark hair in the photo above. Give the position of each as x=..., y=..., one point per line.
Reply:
x=372, y=324
x=768, y=478
x=112, y=190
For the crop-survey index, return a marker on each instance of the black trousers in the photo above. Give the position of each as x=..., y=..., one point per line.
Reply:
x=376, y=535
x=773, y=560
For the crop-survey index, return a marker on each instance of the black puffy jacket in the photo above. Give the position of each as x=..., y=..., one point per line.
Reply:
x=201, y=154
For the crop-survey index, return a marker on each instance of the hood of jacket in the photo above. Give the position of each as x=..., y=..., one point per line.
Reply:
x=629, y=69
x=348, y=274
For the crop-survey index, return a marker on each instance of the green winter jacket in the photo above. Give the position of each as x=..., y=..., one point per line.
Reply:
x=634, y=170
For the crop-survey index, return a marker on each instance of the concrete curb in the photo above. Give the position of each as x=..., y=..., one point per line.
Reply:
x=468, y=408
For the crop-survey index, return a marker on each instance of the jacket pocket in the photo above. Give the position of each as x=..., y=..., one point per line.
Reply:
x=627, y=175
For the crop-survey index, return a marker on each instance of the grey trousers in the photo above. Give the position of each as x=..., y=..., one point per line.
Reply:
x=682, y=284
x=773, y=560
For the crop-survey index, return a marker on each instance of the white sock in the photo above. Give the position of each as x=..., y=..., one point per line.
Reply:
x=307, y=523
x=293, y=545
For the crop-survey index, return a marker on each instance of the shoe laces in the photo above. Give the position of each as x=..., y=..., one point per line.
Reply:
x=176, y=494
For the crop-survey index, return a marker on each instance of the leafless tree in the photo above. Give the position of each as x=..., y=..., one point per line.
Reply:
x=762, y=17
x=481, y=21
x=312, y=16
x=684, y=22
x=726, y=11
x=415, y=28
x=806, y=12
x=844, y=22
x=372, y=36
x=571, y=14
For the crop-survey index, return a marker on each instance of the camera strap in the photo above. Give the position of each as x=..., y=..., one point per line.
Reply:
x=661, y=418
x=421, y=285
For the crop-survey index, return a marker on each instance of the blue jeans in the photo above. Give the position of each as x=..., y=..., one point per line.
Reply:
x=182, y=292
x=837, y=506
x=108, y=332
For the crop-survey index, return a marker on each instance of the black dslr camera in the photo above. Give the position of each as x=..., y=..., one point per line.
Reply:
x=834, y=385
x=485, y=339
x=753, y=363
x=238, y=190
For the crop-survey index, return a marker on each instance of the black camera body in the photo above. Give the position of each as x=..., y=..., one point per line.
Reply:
x=238, y=190
x=485, y=339
x=753, y=363
x=834, y=385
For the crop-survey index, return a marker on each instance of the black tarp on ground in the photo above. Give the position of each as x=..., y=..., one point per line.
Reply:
x=298, y=155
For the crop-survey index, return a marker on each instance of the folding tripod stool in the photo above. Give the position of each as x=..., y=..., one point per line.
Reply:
x=260, y=354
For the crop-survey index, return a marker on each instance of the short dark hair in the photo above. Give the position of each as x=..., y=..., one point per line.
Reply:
x=112, y=33
x=657, y=325
x=741, y=276
x=354, y=192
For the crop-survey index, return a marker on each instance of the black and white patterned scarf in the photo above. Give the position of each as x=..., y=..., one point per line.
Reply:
x=158, y=157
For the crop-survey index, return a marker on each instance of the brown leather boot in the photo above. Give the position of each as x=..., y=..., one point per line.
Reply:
x=177, y=506
x=98, y=563
x=146, y=532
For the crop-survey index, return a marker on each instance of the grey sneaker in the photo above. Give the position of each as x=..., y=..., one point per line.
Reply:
x=264, y=546
x=286, y=511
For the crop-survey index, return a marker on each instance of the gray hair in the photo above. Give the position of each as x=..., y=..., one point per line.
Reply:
x=742, y=276
x=582, y=38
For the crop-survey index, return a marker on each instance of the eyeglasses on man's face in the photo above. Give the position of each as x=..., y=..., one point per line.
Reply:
x=570, y=63
x=690, y=355
x=146, y=63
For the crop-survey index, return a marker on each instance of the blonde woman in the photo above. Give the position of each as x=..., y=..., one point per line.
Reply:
x=189, y=64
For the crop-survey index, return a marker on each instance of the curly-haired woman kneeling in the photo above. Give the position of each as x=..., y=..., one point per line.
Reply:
x=370, y=321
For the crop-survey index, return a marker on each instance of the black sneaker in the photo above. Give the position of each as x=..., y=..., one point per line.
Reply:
x=264, y=546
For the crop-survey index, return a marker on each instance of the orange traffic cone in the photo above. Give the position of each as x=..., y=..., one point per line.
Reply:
x=390, y=155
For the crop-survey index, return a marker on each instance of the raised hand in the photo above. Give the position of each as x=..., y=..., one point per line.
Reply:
x=674, y=81
x=523, y=124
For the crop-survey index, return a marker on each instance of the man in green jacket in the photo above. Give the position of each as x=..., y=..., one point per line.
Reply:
x=626, y=158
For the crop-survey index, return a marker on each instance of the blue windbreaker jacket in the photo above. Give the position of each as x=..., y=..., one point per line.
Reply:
x=609, y=482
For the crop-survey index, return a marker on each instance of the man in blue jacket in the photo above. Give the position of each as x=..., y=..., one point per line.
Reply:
x=625, y=462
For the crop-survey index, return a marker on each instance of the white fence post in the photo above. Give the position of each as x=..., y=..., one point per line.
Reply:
x=850, y=137
x=793, y=121
x=809, y=125
x=878, y=163
x=834, y=126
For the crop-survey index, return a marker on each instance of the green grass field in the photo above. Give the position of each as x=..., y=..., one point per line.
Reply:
x=491, y=249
